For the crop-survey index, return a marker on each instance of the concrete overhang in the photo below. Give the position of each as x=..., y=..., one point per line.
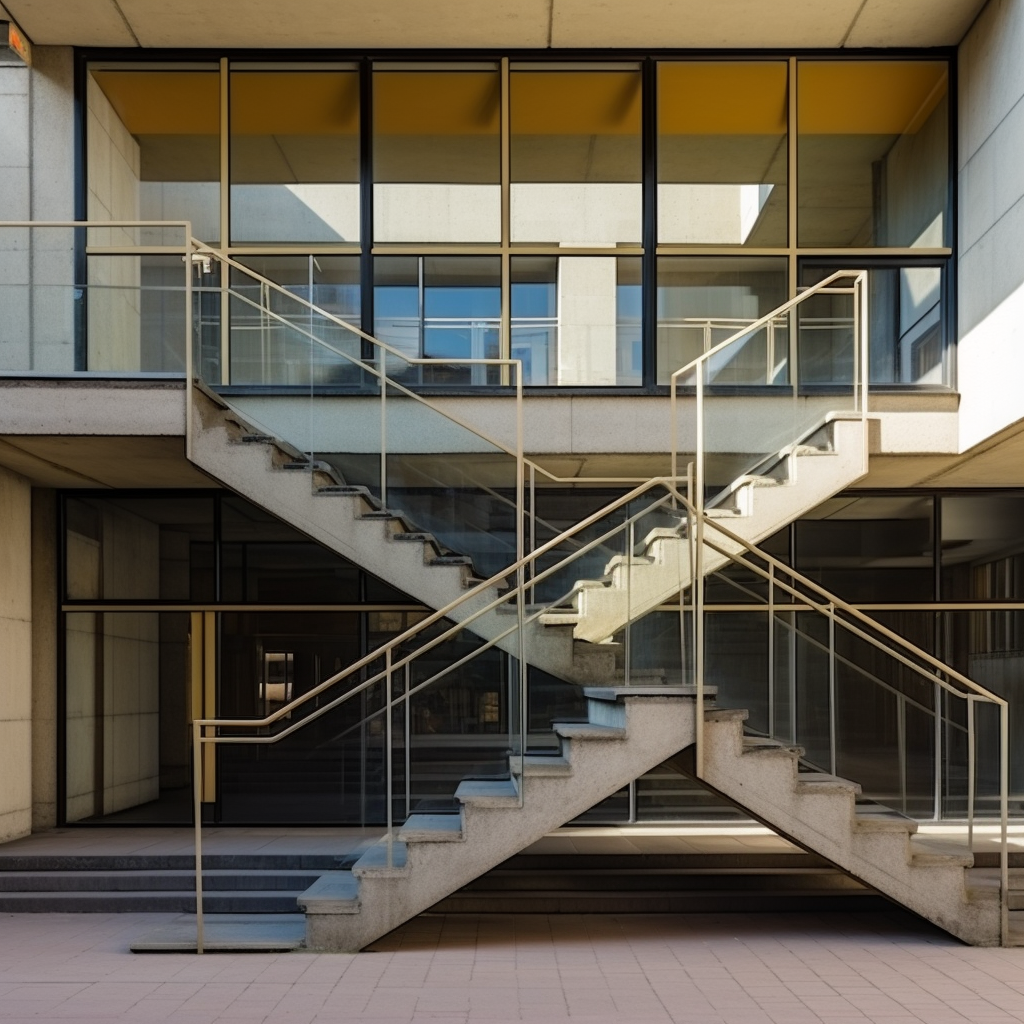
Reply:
x=508, y=24
x=96, y=433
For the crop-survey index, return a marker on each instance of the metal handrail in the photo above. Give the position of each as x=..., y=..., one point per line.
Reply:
x=826, y=603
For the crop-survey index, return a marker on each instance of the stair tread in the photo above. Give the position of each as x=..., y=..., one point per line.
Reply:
x=381, y=858
x=541, y=764
x=928, y=849
x=487, y=792
x=588, y=731
x=337, y=891
x=432, y=828
x=870, y=817
x=820, y=779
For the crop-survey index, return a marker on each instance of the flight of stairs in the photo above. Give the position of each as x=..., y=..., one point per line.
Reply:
x=233, y=883
x=820, y=812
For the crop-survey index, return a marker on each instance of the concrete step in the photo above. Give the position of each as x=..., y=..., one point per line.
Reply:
x=150, y=901
x=154, y=881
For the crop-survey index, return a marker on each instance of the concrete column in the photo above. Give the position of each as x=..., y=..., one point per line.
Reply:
x=586, y=320
x=15, y=656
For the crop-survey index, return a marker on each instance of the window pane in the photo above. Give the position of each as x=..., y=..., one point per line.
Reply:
x=703, y=301
x=982, y=559
x=861, y=548
x=907, y=333
x=436, y=156
x=576, y=319
x=154, y=149
x=722, y=154
x=440, y=307
x=576, y=157
x=295, y=156
x=138, y=548
x=873, y=153
x=270, y=331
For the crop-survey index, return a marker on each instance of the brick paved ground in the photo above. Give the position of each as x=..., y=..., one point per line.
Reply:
x=699, y=969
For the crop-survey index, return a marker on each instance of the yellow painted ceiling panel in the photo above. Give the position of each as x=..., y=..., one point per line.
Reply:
x=868, y=97
x=575, y=103
x=437, y=102
x=720, y=98
x=164, y=102
x=295, y=103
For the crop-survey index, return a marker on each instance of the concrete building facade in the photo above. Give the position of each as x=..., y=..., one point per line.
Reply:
x=586, y=196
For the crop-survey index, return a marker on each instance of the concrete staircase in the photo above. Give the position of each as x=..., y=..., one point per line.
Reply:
x=820, y=813
x=828, y=459
x=432, y=856
x=233, y=883
x=572, y=642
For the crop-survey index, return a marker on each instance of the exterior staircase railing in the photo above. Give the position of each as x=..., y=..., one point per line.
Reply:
x=657, y=512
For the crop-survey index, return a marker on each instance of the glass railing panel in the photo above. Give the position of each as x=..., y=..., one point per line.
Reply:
x=796, y=401
x=856, y=694
x=80, y=300
x=986, y=645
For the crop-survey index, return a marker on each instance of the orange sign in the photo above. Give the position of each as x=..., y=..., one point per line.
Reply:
x=17, y=41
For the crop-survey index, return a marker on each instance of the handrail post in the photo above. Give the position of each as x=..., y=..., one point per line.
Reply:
x=197, y=810
x=627, y=639
x=832, y=687
x=383, y=434
x=771, y=649
x=189, y=343
x=698, y=572
x=388, y=760
x=971, y=771
x=1004, y=814
x=407, y=722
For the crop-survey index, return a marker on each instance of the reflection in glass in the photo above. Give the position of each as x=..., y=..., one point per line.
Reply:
x=703, y=301
x=126, y=717
x=135, y=309
x=576, y=156
x=722, y=154
x=576, y=319
x=873, y=153
x=859, y=548
x=982, y=536
x=125, y=548
x=439, y=307
x=154, y=148
x=278, y=340
x=436, y=154
x=295, y=156
x=906, y=329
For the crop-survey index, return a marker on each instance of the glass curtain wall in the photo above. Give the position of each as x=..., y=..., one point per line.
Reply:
x=945, y=571
x=294, y=155
x=783, y=169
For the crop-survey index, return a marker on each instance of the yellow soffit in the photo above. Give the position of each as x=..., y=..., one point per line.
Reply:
x=720, y=98
x=868, y=97
x=575, y=103
x=164, y=102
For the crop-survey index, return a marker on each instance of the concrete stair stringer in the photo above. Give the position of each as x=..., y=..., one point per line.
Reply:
x=764, y=505
x=627, y=736
x=881, y=852
x=347, y=520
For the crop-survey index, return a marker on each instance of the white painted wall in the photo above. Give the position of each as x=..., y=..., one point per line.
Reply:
x=991, y=254
x=15, y=656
